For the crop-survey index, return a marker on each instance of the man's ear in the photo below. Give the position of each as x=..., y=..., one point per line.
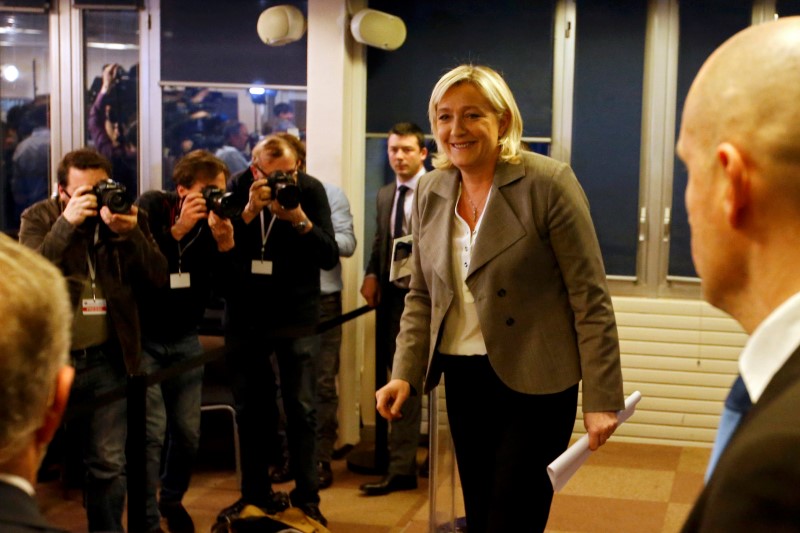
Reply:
x=423, y=152
x=737, y=182
x=57, y=405
x=181, y=190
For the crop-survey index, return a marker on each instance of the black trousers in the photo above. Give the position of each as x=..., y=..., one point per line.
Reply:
x=504, y=441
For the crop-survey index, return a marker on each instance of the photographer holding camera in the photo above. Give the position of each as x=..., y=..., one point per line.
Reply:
x=284, y=237
x=104, y=248
x=194, y=231
x=113, y=122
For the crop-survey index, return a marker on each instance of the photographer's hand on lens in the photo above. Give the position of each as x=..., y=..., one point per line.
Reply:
x=81, y=205
x=222, y=230
x=259, y=197
x=193, y=209
x=120, y=223
x=296, y=216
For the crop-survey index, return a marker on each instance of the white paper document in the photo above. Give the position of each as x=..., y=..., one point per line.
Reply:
x=566, y=464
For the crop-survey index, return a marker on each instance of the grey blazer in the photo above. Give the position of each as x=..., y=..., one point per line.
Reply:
x=537, y=277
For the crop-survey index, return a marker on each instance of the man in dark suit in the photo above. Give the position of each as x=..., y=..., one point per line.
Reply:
x=35, y=377
x=740, y=140
x=406, y=149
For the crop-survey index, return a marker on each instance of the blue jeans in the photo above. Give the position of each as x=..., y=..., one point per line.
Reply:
x=253, y=385
x=103, y=434
x=173, y=410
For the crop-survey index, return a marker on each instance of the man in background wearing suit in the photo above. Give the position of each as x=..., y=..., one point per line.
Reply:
x=406, y=148
x=35, y=377
x=740, y=140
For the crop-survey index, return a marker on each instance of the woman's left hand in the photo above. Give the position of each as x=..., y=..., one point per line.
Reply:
x=600, y=426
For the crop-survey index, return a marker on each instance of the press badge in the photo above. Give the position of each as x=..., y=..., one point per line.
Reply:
x=263, y=268
x=93, y=307
x=181, y=280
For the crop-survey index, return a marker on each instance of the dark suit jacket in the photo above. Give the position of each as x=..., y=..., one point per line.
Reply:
x=537, y=277
x=756, y=484
x=379, y=259
x=19, y=513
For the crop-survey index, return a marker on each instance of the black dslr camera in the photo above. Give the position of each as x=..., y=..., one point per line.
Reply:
x=284, y=189
x=220, y=202
x=112, y=195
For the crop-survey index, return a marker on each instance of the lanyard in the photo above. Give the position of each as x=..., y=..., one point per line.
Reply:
x=188, y=244
x=265, y=235
x=92, y=274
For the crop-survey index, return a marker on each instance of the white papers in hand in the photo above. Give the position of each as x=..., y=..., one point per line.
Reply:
x=566, y=464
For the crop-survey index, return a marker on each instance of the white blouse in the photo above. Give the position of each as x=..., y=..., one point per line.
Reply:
x=461, y=332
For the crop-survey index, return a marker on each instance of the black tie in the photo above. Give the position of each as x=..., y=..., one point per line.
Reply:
x=399, y=211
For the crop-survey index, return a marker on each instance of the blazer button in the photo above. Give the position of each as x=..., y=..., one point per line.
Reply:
x=501, y=293
x=510, y=322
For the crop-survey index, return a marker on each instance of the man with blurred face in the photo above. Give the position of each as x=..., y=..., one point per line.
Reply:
x=407, y=152
x=740, y=140
x=196, y=236
x=109, y=259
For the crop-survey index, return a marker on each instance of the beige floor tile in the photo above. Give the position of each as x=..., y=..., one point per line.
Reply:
x=694, y=459
x=631, y=455
x=586, y=514
x=687, y=487
x=675, y=517
x=624, y=483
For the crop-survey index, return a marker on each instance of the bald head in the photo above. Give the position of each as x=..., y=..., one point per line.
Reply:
x=748, y=93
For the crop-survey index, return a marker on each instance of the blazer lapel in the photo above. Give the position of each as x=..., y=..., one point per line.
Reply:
x=500, y=227
x=441, y=206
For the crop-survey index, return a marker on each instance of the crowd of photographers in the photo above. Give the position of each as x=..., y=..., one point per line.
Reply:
x=140, y=275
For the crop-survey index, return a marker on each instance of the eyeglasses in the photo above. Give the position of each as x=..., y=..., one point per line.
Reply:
x=292, y=173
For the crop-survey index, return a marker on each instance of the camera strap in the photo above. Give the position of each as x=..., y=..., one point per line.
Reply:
x=265, y=235
x=181, y=250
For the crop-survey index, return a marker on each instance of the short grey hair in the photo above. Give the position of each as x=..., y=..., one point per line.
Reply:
x=496, y=90
x=36, y=319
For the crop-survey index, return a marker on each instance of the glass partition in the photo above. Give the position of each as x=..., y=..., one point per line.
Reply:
x=25, y=107
x=227, y=120
x=111, y=81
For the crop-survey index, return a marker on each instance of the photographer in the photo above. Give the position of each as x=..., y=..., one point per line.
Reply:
x=112, y=125
x=193, y=229
x=104, y=248
x=284, y=237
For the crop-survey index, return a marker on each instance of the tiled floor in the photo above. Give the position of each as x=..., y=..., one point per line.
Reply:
x=623, y=488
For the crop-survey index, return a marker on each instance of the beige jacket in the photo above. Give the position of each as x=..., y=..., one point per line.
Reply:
x=537, y=277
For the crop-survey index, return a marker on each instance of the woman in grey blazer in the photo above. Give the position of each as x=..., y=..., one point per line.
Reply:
x=508, y=300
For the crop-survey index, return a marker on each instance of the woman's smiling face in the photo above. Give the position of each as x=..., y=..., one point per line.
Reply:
x=468, y=128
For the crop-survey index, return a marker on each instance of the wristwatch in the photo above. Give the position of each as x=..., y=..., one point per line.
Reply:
x=300, y=226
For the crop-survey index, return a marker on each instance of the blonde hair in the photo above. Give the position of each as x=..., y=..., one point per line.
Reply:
x=494, y=88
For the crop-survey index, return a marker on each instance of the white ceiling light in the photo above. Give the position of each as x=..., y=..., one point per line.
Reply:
x=280, y=25
x=10, y=73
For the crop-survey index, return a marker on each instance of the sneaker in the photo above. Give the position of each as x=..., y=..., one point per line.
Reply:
x=324, y=474
x=312, y=511
x=178, y=519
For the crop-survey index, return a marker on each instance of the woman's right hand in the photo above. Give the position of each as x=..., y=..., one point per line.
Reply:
x=390, y=398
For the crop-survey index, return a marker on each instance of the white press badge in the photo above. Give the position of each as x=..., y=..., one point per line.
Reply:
x=93, y=306
x=181, y=280
x=262, y=267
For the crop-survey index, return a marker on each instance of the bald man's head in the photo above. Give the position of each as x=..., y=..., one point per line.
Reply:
x=748, y=93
